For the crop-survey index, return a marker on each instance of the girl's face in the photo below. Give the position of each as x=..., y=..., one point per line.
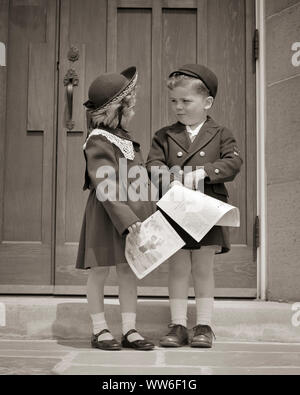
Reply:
x=188, y=105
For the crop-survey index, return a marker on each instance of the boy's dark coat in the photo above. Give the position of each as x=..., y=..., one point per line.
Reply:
x=216, y=150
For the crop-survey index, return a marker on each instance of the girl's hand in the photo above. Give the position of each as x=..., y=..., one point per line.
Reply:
x=135, y=227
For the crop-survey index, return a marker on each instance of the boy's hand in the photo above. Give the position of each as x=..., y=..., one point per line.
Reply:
x=191, y=180
x=173, y=183
x=135, y=227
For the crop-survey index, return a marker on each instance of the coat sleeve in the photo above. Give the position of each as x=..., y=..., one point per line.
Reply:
x=100, y=154
x=157, y=165
x=228, y=166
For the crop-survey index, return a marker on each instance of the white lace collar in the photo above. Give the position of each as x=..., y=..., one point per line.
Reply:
x=125, y=146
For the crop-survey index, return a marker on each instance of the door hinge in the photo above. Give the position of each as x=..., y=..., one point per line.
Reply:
x=57, y=65
x=256, y=45
x=257, y=232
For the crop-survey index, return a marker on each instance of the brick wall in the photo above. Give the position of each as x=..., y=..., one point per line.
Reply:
x=283, y=149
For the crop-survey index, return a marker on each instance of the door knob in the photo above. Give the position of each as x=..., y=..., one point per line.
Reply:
x=71, y=79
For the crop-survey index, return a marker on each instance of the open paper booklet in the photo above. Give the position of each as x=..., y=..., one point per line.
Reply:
x=196, y=212
x=157, y=241
x=154, y=244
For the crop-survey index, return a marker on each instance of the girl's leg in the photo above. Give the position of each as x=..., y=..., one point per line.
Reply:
x=204, y=284
x=95, y=297
x=128, y=299
x=179, y=275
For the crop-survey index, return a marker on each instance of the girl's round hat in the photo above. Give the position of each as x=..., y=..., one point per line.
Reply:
x=202, y=73
x=111, y=88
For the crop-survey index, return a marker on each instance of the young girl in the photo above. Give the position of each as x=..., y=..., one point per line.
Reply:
x=110, y=151
x=195, y=141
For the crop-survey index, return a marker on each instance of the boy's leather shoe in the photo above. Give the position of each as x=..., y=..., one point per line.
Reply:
x=142, y=345
x=203, y=336
x=177, y=337
x=110, y=345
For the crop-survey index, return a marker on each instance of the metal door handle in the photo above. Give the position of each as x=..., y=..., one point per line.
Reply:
x=71, y=79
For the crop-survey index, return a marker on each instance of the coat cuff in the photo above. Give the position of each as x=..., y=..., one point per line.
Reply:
x=124, y=229
x=121, y=215
x=214, y=174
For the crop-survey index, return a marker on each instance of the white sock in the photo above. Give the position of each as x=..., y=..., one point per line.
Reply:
x=99, y=323
x=128, y=323
x=179, y=311
x=204, y=309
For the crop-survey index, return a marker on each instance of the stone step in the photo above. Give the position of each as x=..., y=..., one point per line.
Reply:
x=68, y=318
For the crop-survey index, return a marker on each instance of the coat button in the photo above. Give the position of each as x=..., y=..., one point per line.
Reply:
x=179, y=154
x=217, y=171
x=202, y=153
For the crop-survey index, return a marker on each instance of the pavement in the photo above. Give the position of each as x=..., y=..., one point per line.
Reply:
x=76, y=357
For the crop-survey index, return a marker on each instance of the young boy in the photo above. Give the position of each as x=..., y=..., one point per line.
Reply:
x=195, y=142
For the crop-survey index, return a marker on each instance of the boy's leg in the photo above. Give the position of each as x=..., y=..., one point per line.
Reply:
x=179, y=275
x=128, y=303
x=204, y=285
x=95, y=297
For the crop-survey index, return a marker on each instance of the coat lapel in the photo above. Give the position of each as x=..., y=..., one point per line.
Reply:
x=177, y=132
x=207, y=133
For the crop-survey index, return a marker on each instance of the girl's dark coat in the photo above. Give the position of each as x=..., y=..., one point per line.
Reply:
x=105, y=224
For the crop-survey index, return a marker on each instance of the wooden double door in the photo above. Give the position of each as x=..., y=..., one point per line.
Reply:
x=54, y=50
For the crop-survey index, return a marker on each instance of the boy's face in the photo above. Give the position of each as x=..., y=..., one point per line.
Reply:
x=188, y=105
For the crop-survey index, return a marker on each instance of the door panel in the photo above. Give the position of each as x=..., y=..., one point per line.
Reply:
x=27, y=135
x=77, y=30
x=157, y=36
x=235, y=108
x=133, y=23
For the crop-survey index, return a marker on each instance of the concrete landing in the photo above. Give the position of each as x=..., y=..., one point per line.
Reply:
x=68, y=318
x=44, y=357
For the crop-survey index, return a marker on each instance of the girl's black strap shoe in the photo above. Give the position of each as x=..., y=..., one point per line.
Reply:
x=142, y=345
x=110, y=345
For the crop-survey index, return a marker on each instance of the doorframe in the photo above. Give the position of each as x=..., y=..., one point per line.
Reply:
x=262, y=272
x=262, y=268
x=250, y=24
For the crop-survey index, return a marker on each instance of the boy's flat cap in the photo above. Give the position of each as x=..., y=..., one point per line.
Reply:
x=201, y=72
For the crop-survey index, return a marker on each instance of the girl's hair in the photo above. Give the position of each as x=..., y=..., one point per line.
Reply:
x=181, y=80
x=114, y=115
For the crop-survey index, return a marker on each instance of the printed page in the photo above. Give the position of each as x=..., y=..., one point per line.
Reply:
x=196, y=212
x=152, y=245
